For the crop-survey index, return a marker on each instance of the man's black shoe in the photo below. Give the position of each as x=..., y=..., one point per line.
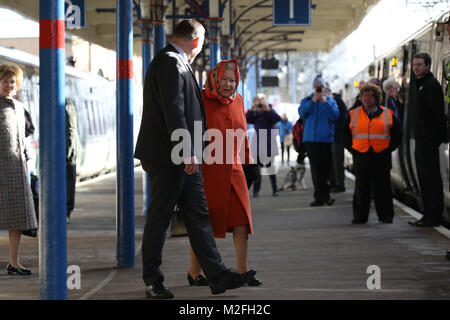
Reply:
x=386, y=220
x=158, y=291
x=230, y=279
x=316, y=203
x=330, y=202
x=424, y=223
x=448, y=255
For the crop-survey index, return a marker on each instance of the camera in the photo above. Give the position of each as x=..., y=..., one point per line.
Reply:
x=259, y=106
x=319, y=89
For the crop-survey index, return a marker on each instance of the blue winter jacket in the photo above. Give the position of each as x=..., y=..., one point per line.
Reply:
x=319, y=119
x=285, y=128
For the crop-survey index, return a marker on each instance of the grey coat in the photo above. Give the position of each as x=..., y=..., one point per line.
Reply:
x=16, y=200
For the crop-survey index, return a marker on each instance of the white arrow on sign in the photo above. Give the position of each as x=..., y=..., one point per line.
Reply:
x=291, y=9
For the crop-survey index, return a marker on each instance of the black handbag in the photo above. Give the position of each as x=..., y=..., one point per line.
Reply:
x=35, y=191
x=252, y=173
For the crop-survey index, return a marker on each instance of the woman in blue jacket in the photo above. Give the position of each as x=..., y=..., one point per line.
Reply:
x=319, y=112
x=285, y=128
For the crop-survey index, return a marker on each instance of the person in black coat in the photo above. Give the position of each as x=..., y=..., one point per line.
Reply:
x=173, y=105
x=429, y=125
x=337, y=171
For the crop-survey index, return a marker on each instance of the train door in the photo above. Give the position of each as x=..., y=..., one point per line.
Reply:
x=444, y=154
x=408, y=143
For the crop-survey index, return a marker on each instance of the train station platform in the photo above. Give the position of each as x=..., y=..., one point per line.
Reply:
x=299, y=252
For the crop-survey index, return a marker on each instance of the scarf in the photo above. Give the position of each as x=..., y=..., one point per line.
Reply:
x=212, y=83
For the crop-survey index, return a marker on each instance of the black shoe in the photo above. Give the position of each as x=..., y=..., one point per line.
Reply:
x=424, y=223
x=358, y=221
x=22, y=272
x=230, y=279
x=447, y=255
x=198, y=281
x=316, y=203
x=158, y=291
x=275, y=194
x=254, y=282
x=330, y=202
x=386, y=220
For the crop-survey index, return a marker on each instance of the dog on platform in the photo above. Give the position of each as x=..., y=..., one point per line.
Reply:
x=294, y=179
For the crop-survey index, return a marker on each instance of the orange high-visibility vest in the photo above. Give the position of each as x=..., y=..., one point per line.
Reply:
x=375, y=133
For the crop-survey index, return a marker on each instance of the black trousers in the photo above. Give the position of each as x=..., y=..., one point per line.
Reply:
x=378, y=181
x=319, y=155
x=426, y=155
x=337, y=173
x=272, y=178
x=170, y=186
x=288, y=148
x=71, y=179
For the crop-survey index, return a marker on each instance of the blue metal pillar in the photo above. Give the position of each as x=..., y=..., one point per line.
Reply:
x=52, y=152
x=159, y=36
x=125, y=163
x=159, y=15
x=214, y=38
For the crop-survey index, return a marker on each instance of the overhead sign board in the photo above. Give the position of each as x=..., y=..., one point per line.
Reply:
x=291, y=12
x=269, y=81
x=75, y=14
x=269, y=64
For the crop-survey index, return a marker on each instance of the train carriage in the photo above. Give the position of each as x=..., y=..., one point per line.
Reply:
x=95, y=101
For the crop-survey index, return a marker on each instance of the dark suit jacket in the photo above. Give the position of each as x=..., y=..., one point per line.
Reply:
x=172, y=100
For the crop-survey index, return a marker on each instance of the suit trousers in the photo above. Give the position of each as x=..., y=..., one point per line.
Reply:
x=378, y=181
x=319, y=155
x=170, y=186
x=426, y=155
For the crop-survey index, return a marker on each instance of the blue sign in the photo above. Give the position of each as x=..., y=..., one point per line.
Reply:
x=75, y=14
x=291, y=12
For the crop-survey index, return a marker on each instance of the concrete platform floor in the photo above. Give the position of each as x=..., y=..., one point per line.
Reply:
x=299, y=252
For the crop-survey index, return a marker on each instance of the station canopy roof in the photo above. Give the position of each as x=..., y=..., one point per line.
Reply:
x=332, y=21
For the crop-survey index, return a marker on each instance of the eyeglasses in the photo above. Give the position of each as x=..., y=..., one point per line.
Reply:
x=368, y=95
x=224, y=80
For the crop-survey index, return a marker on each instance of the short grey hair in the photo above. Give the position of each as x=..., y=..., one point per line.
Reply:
x=230, y=66
x=388, y=83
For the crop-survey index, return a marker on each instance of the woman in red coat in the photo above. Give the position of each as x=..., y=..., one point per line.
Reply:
x=223, y=176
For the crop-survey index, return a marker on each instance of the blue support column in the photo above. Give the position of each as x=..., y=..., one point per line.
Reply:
x=125, y=163
x=160, y=36
x=52, y=152
x=214, y=40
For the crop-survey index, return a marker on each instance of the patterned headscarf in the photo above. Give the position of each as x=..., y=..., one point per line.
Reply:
x=212, y=83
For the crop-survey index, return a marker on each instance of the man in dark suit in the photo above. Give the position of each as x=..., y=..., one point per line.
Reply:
x=429, y=127
x=172, y=104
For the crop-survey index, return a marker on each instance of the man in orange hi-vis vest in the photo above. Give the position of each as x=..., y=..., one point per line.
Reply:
x=371, y=133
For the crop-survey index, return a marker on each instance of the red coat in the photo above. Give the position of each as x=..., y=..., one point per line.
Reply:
x=218, y=179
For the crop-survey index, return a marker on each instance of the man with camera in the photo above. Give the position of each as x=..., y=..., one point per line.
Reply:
x=319, y=112
x=264, y=118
